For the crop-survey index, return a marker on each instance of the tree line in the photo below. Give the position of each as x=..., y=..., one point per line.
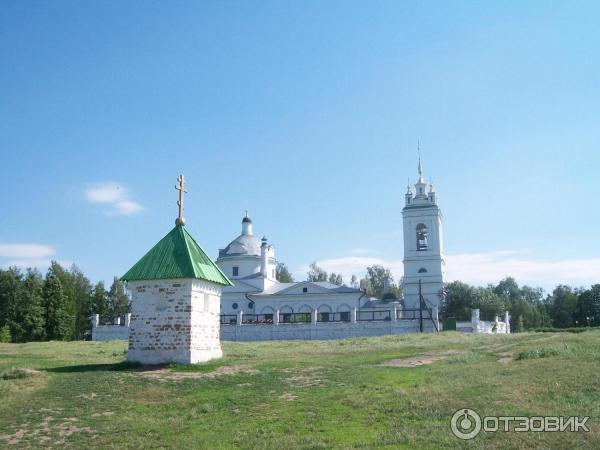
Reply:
x=56, y=306
x=378, y=281
x=529, y=309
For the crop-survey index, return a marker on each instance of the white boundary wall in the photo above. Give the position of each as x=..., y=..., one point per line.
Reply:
x=315, y=330
x=482, y=326
x=110, y=332
x=312, y=330
x=319, y=330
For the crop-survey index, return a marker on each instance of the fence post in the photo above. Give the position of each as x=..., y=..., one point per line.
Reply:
x=238, y=325
x=394, y=314
x=353, y=315
x=434, y=313
x=507, y=321
x=276, y=317
x=127, y=320
x=118, y=321
x=475, y=320
x=315, y=316
x=95, y=320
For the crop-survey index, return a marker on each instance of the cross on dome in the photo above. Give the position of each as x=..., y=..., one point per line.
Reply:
x=180, y=187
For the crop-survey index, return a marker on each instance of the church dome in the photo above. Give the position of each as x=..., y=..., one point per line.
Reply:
x=243, y=245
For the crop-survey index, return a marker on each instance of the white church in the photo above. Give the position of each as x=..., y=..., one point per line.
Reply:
x=250, y=264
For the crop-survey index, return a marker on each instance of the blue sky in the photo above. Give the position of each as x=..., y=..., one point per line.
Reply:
x=307, y=113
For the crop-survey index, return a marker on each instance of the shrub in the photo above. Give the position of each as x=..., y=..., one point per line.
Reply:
x=17, y=373
x=5, y=334
x=563, y=330
x=537, y=353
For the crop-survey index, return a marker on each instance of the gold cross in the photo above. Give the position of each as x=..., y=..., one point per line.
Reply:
x=180, y=187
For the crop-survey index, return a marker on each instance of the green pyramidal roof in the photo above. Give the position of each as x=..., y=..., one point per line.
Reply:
x=177, y=255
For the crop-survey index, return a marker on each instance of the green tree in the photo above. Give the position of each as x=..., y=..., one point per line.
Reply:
x=5, y=336
x=81, y=301
x=316, y=273
x=66, y=281
x=99, y=303
x=335, y=278
x=11, y=285
x=508, y=289
x=58, y=321
x=30, y=322
x=118, y=302
x=533, y=308
x=519, y=327
x=376, y=279
x=564, y=305
x=489, y=303
x=524, y=302
x=282, y=274
x=458, y=300
x=587, y=311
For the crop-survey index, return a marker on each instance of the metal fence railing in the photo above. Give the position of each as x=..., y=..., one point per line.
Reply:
x=294, y=317
x=257, y=318
x=333, y=317
x=229, y=319
x=371, y=316
x=344, y=316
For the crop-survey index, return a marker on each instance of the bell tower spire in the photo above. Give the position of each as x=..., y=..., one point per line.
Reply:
x=420, y=186
x=420, y=165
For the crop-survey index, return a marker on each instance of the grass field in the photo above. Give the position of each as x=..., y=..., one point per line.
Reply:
x=354, y=393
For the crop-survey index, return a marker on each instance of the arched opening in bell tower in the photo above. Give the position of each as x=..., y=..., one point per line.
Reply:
x=422, y=242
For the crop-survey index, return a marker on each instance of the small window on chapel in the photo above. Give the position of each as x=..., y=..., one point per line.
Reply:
x=236, y=271
x=422, y=270
x=304, y=289
x=422, y=243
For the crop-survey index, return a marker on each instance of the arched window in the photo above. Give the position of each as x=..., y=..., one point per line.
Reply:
x=422, y=270
x=421, y=237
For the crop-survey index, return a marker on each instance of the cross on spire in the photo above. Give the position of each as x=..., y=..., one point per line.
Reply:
x=180, y=187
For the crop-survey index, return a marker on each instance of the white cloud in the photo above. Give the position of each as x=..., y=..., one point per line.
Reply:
x=482, y=268
x=26, y=251
x=116, y=196
x=28, y=255
x=363, y=251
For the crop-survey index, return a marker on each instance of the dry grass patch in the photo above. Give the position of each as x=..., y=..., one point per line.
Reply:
x=288, y=396
x=49, y=432
x=170, y=375
x=427, y=358
x=506, y=358
x=18, y=373
x=305, y=376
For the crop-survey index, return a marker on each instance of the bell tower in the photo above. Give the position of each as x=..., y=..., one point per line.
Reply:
x=423, y=245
